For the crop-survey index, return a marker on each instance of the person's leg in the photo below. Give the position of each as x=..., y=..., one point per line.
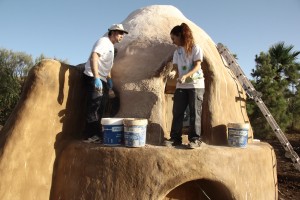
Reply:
x=179, y=106
x=102, y=107
x=94, y=99
x=195, y=106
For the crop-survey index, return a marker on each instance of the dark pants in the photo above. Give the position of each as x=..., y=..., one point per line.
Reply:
x=183, y=98
x=96, y=104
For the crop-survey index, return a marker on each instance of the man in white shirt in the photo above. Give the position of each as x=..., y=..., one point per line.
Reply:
x=97, y=80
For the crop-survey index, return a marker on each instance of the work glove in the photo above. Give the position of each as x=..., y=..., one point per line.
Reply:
x=98, y=84
x=109, y=83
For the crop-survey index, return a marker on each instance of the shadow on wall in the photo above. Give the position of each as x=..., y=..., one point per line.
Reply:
x=156, y=138
x=221, y=137
x=200, y=189
x=240, y=98
x=141, y=105
x=72, y=117
x=206, y=113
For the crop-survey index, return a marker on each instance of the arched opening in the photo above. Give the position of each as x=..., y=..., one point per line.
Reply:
x=200, y=189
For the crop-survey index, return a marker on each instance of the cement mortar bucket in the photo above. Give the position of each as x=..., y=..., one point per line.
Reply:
x=113, y=131
x=135, y=132
x=238, y=134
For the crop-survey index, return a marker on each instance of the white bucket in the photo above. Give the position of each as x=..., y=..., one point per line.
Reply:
x=238, y=134
x=135, y=132
x=113, y=131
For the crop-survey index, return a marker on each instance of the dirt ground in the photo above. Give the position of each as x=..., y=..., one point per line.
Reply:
x=288, y=175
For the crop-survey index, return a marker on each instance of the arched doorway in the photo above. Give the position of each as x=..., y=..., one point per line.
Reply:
x=200, y=189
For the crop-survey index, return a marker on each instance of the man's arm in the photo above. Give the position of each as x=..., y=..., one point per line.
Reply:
x=109, y=75
x=109, y=81
x=94, y=67
x=94, y=64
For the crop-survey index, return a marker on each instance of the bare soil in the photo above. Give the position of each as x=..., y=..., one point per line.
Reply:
x=288, y=176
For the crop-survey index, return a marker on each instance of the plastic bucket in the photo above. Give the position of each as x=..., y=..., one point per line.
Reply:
x=113, y=131
x=135, y=132
x=238, y=134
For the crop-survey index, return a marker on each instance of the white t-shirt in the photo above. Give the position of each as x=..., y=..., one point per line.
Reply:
x=186, y=64
x=105, y=48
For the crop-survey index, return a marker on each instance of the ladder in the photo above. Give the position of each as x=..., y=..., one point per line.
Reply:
x=256, y=96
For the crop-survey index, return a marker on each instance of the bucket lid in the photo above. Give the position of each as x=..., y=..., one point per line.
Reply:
x=112, y=121
x=135, y=122
x=239, y=125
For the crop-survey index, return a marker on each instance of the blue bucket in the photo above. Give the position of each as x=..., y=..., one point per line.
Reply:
x=238, y=135
x=113, y=131
x=135, y=132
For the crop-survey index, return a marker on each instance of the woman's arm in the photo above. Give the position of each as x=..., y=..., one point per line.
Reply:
x=197, y=67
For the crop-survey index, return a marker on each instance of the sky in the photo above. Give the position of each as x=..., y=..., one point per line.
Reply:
x=67, y=29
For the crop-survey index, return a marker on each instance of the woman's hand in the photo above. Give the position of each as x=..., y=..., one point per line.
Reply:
x=172, y=74
x=182, y=79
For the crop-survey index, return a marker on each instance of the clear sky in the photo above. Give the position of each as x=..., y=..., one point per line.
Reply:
x=67, y=29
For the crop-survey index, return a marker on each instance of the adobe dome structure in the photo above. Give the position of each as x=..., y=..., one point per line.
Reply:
x=42, y=155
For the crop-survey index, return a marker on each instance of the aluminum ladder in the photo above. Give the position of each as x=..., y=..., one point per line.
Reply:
x=256, y=96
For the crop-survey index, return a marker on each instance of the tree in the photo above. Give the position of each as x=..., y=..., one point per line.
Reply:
x=294, y=107
x=284, y=61
x=13, y=70
x=275, y=76
x=272, y=96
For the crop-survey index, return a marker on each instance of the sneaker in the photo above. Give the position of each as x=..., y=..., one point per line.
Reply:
x=95, y=139
x=172, y=142
x=195, y=144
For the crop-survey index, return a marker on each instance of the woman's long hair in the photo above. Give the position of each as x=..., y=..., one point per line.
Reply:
x=186, y=36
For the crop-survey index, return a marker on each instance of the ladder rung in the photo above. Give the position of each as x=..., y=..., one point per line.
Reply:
x=286, y=144
x=295, y=160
